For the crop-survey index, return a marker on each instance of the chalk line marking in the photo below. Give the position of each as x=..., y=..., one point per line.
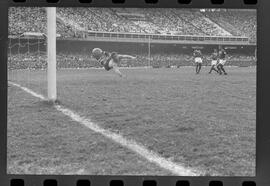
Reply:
x=132, y=145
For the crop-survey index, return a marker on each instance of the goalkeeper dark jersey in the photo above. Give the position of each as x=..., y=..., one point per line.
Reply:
x=106, y=58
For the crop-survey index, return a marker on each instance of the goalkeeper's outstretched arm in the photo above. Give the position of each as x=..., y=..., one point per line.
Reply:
x=122, y=56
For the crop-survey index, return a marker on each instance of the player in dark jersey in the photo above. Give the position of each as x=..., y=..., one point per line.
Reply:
x=221, y=61
x=197, y=54
x=110, y=61
x=214, y=59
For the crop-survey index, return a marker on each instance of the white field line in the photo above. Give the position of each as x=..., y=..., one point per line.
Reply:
x=132, y=145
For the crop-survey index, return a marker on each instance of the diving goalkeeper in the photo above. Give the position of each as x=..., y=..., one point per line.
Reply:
x=110, y=61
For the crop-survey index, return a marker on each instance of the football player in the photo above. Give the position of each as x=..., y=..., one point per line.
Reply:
x=110, y=61
x=221, y=61
x=214, y=59
x=197, y=54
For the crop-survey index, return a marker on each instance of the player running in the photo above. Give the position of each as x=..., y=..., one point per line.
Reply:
x=198, y=60
x=214, y=60
x=221, y=61
x=110, y=60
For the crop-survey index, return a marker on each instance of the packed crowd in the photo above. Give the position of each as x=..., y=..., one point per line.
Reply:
x=75, y=22
x=240, y=23
x=27, y=61
x=96, y=19
x=202, y=23
x=33, y=61
x=26, y=19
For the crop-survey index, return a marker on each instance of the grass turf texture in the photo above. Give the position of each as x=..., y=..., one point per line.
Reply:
x=206, y=121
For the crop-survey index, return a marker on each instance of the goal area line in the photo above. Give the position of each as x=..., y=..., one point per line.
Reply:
x=175, y=168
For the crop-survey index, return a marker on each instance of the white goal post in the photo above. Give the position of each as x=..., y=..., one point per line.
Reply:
x=51, y=50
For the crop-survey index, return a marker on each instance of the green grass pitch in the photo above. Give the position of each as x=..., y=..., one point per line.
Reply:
x=206, y=121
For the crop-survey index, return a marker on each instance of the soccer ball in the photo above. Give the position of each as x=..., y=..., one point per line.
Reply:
x=97, y=53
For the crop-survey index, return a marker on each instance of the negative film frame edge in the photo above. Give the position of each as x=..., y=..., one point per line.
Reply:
x=262, y=118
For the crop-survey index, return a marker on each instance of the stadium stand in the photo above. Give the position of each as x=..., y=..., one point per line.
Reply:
x=72, y=21
x=240, y=23
x=75, y=22
x=26, y=20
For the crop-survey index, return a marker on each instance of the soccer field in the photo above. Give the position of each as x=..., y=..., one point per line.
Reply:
x=205, y=122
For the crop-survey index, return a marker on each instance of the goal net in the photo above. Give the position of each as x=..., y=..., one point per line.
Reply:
x=33, y=58
x=32, y=49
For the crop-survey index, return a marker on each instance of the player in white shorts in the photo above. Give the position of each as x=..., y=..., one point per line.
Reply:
x=214, y=60
x=110, y=60
x=198, y=60
x=221, y=61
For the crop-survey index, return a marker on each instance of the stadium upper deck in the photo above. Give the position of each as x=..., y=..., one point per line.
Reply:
x=70, y=21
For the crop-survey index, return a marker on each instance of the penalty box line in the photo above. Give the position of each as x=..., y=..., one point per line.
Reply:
x=132, y=145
